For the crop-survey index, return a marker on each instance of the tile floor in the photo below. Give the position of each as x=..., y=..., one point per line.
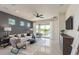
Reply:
x=43, y=46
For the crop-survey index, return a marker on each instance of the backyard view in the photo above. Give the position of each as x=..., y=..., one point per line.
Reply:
x=44, y=29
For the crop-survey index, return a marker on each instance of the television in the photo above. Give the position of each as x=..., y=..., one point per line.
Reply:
x=69, y=23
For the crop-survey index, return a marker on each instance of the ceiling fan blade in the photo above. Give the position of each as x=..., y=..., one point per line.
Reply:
x=34, y=14
x=41, y=17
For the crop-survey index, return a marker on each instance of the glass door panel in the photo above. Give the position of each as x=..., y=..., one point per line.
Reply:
x=45, y=29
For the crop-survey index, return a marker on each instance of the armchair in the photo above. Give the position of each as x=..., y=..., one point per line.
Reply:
x=16, y=45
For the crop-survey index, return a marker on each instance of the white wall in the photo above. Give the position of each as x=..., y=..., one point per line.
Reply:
x=61, y=21
x=55, y=24
x=61, y=27
x=73, y=10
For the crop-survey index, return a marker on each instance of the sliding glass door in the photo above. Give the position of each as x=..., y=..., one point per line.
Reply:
x=44, y=29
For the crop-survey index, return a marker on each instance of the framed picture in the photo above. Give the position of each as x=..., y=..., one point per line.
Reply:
x=28, y=24
x=22, y=23
x=11, y=21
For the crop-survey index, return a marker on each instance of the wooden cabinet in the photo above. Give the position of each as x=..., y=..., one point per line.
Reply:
x=67, y=42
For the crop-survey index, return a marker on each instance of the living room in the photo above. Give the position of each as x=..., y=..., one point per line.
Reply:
x=39, y=28
x=29, y=25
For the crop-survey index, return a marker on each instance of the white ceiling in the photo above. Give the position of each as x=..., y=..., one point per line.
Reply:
x=26, y=10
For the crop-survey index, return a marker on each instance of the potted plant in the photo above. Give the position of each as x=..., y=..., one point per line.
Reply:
x=62, y=31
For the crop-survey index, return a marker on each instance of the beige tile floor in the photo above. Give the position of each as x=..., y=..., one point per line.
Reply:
x=43, y=46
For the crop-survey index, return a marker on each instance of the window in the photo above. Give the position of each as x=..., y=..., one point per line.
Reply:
x=37, y=28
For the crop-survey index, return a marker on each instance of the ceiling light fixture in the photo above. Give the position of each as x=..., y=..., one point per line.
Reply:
x=17, y=11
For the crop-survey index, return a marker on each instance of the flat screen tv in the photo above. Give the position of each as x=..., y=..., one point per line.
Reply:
x=69, y=23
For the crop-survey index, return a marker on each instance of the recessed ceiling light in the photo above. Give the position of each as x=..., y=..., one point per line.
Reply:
x=17, y=11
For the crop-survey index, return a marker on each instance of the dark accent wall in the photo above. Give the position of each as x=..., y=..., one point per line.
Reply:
x=16, y=29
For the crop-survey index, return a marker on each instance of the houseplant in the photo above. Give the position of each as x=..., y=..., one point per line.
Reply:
x=62, y=31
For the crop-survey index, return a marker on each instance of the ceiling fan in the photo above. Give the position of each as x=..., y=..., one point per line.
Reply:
x=36, y=14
